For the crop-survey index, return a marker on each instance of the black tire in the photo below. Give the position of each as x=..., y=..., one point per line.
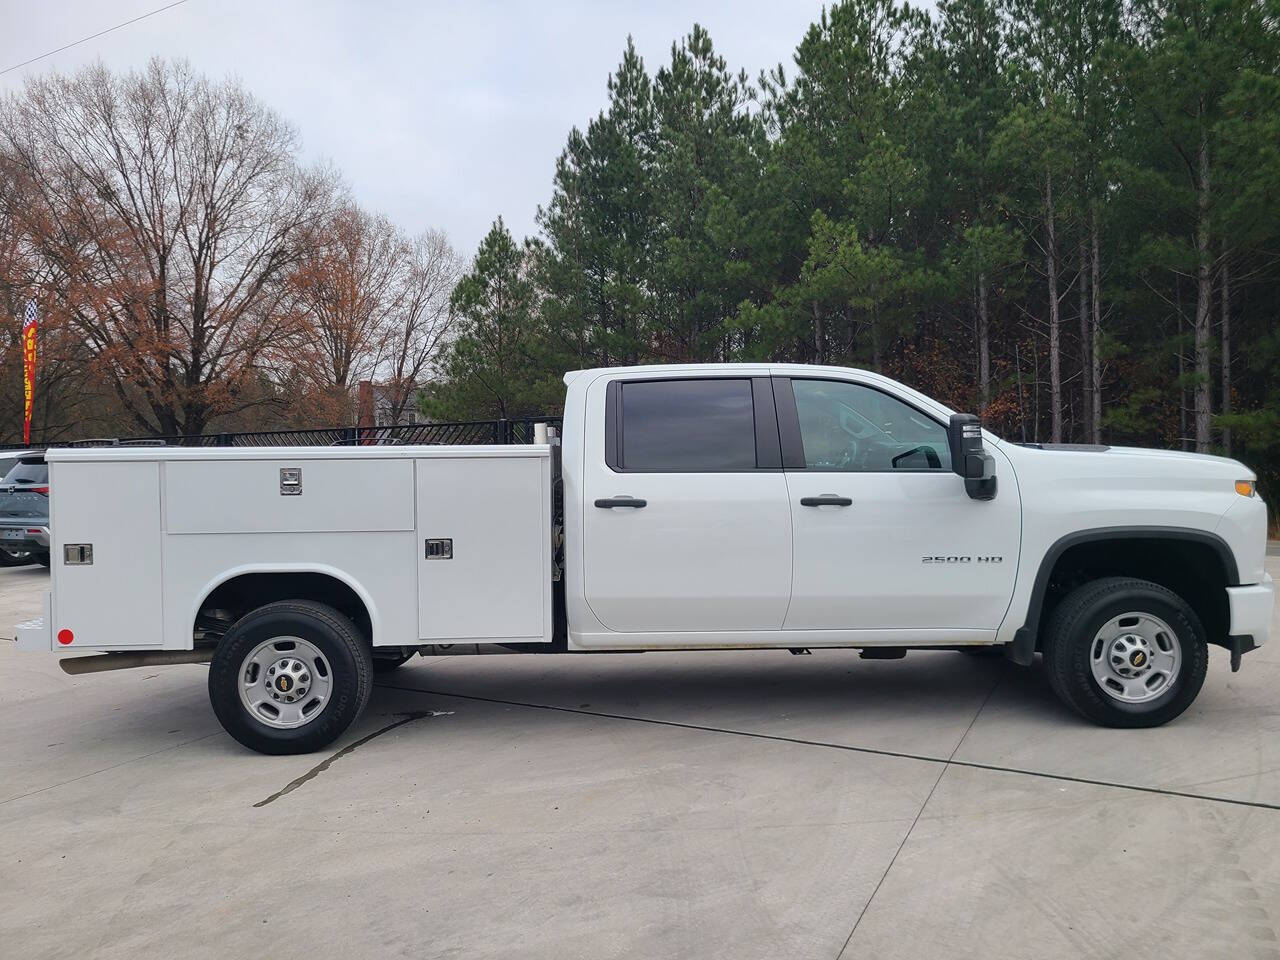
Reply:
x=41, y=558
x=16, y=558
x=1070, y=635
x=349, y=659
x=383, y=663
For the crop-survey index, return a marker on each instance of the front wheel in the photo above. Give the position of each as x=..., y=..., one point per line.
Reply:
x=1125, y=652
x=290, y=677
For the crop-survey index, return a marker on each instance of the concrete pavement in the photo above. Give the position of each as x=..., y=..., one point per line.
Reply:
x=706, y=805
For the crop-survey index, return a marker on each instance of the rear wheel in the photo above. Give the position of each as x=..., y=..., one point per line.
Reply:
x=290, y=677
x=1125, y=652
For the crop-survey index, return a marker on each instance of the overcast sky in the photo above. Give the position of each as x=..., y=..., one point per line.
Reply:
x=439, y=114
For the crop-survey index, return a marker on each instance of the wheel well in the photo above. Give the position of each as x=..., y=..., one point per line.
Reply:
x=1193, y=569
x=231, y=600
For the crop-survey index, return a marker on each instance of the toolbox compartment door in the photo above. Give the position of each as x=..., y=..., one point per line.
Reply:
x=114, y=508
x=302, y=495
x=484, y=549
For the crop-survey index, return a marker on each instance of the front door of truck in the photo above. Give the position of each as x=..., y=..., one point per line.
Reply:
x=886, y=539
x=687, y=530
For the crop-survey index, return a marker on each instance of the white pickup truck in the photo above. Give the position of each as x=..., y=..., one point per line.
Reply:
x=698, y=507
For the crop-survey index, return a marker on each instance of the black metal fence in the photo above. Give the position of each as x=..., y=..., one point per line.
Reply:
x=503, y=432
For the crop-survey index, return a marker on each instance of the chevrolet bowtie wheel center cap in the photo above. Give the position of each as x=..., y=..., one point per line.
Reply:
x=1130, y=655
x=1135, y=657
x=285, y=682
x=288, y=680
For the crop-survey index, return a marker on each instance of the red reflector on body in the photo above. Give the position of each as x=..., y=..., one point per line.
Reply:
x=33, y=529
x=65, y=637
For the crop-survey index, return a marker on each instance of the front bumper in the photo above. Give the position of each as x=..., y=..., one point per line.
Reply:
x=24, y=533
x=1251, y=609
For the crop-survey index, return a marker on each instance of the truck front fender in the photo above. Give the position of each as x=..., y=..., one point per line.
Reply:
x=1023, y=648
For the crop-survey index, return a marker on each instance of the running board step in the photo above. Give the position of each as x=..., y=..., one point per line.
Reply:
x=882, y=653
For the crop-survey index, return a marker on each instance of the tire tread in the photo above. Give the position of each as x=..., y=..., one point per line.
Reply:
x=226, y=698
x=1072, y=680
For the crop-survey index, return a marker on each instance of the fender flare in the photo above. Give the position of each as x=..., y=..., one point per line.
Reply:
x=375, y=623
x=1023, y=648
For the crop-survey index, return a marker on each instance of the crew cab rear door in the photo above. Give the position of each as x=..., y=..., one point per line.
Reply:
x=687, y=530
x=886, y=538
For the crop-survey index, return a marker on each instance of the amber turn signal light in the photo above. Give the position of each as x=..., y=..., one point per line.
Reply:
x=1245, y=487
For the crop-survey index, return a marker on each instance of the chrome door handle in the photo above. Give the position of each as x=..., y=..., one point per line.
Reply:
x=826, y=500
x=608, y=503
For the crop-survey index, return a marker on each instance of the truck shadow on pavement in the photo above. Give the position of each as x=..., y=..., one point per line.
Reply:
x=929, y=688
x=931, y=691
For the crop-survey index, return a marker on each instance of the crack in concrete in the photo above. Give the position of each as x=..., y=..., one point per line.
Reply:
x=872, y=751
x=113, y=766
x=329, y=761
x=907, y=836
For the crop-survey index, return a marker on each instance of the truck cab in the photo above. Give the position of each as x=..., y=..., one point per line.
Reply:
x=790, y=507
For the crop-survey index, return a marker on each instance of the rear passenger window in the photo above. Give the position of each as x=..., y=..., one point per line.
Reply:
x=690, y=426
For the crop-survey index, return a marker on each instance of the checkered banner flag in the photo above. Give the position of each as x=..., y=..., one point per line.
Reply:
x=29, y=326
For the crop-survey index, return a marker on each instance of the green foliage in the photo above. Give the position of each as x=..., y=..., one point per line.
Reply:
x=883, y=200
x=498, y=365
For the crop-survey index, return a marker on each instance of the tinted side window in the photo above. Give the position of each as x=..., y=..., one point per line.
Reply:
x=849, y=427
x=28, y=471
x=688, y=425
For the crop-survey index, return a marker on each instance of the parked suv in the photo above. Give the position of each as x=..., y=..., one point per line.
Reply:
x=24, y=511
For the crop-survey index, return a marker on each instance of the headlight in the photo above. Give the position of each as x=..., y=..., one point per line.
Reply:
x=1246, y=488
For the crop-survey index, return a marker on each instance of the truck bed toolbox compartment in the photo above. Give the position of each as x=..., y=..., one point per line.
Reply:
x=488, y=577
x=108, y=592
x=249, y=496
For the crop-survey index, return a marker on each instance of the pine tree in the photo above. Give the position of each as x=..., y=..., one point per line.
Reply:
x=708, y=147
x=600, y=227
x=1014, y=187
x=1187, y=61
x=493, y=368
x=975, y=94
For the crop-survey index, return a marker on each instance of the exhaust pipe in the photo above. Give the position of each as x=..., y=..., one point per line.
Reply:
x=123, y=661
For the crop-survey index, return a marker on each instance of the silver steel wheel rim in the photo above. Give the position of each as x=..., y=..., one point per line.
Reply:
x=1135, y=657
x=285, y=682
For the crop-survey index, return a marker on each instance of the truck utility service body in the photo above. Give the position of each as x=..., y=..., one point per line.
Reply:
x=685, y=507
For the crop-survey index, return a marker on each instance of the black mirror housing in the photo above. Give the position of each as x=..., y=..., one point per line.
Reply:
x=969, y=459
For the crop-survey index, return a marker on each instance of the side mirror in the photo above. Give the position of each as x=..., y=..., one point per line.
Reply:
x=968, y=457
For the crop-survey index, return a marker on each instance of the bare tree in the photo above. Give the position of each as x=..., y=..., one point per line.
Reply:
x=373, y=305
x=67, y=397
x=167, y=211
x=347, y=293
x=422, y=322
